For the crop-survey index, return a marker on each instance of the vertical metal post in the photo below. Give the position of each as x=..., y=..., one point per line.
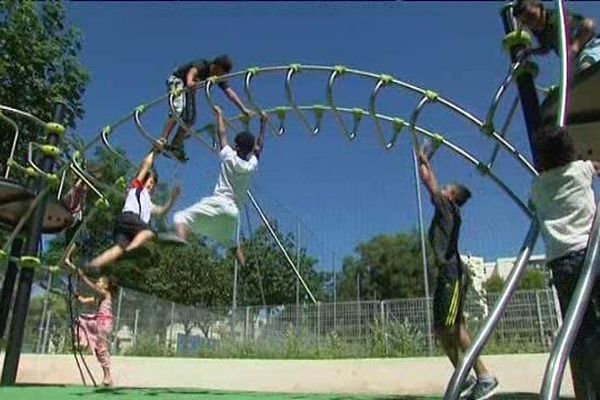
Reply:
x=526, y=86
x=44, y=347
x=34, y=233
x=334, y=291
x=135, y=325
x=540, y=318
x=9, y=284
x=423, y=251
x=299, y=269
x=246, y=325
x=235, y=271
x=171, y=322
x=358, y=308
x=38, y=347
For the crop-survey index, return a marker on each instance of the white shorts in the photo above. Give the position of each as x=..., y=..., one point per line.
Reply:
x=215, y=217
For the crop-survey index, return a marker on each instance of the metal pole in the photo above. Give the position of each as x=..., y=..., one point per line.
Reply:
x=235, y=271
x=17, y=327
x=462, y=369
x=281, y=247
x=171, y=325
x=538, y=308
x=8, y=285
x=298, y=280
x=526, y=86
x=44, y=347
x=423, y=251
x=334, y=291
x=135, y=325
x=358, y=303
x=39, y=347
x=573, y=318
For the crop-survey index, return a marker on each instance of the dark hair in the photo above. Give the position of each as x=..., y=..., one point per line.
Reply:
x=521, y=5
x=461, y=194
x=113, y=285
x=244, y=142
x=554, y=147
x=224, y=62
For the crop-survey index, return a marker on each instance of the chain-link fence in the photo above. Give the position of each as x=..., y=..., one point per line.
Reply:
x=147, y=325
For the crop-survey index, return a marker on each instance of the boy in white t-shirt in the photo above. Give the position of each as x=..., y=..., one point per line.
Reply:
x=563, y=198
x=132, y=229
x=216, y=216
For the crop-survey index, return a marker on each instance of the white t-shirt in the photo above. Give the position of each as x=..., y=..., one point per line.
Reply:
x=144, y=206
x=235, y=176
x=564, y=201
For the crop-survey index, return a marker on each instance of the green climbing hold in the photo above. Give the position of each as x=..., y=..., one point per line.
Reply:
x=30, y=262
x=55, y=128
x=398, y=124
x=340, y=69
x=487, y=128
x=295, y=67
x=253, y=70
x=431, y=95
x=140, y=109
x=281, y=112
x=386, y=79
x=516, y=38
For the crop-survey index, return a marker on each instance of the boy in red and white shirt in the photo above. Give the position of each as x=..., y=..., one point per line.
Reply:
x=132, y=229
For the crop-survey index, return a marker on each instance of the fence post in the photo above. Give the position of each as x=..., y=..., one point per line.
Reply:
x=384, y=326
x=171, y=325
x=44, y=348
x=246, y=324
x=318, y=323
x=540, y=318
x=135, y=325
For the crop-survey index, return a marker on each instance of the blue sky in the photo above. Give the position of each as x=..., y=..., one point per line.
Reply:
x=341, y=193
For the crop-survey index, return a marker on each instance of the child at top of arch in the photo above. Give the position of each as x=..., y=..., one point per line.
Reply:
x=544, y=24
x=184, y=103
x=564, y=202
x=451, y=285
x=216, y=216
x=132, y=227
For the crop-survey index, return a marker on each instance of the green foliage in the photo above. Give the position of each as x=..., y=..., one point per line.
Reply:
x=148, y=346
x=389, y=267
x=38, y=63
x=533, y=279
x=494, y=284
x=267, y=277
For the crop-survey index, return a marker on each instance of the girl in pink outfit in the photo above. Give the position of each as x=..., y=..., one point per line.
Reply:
x=93, y=331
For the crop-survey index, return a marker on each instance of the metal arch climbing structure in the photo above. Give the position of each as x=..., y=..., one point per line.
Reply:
x=335, y=75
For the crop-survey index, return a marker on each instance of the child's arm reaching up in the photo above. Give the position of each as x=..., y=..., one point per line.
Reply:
x=160, y=210
x=221, y=129
x=260, y=141
x=89, y=283
x=235, y=99
x=427, y=174
x=85, y=300
x=146, y=166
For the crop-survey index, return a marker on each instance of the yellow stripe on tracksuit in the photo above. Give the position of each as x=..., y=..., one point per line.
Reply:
x=453, y=310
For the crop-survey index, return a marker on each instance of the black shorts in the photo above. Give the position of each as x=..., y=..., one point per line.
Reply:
x=449, y=296
x=127, y=226
x=585, y=353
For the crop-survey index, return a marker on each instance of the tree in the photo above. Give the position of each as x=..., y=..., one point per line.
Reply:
x=532, y=279
x=267, y=278
x=494, y=284
x=38, y=64
x=387, y=266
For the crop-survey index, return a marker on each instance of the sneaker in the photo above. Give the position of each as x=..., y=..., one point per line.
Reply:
x=467, y=386
x=171, y=238
x=179, y=153
x=484, y=389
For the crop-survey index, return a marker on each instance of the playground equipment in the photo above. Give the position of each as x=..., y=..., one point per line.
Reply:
x=31, y=205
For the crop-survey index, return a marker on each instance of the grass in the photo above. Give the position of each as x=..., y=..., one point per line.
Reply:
x=86, y=393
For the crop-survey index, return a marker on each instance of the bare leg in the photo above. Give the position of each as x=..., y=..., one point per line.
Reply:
x=110, y=255
x=169, y=125
x=447, y=339
x=140, y=239
x=183, y=231
x=464, y=342
x=239, y=255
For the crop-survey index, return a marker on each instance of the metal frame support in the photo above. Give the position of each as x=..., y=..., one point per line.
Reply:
x=9, y=284
x=21, y=306
x=525, y=85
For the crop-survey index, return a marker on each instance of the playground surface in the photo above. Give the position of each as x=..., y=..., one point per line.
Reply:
x=90, y=393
